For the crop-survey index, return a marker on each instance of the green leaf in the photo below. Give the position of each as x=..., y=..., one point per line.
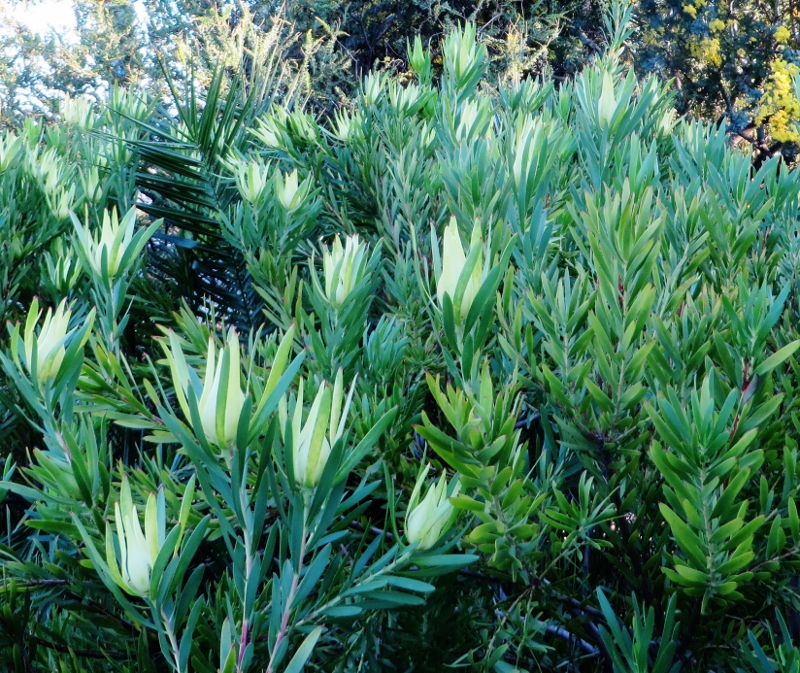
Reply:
x=794, y=521
x=342, y=611
x=304, y=652
x=689, y=542
x=777, y=359
x=410, y=584
x=364, y=446
x=445, y=561
x=466, y=503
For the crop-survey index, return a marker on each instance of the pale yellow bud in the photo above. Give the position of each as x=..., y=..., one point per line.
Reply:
x=138, y=551
x=251, y=179
x=373, y=87
x=289, y=190
x=343, y=268
x=311, y=446
x=454, y=261
x=112, y=244
x=220, y=405
x=429, y=519
x=49, y=343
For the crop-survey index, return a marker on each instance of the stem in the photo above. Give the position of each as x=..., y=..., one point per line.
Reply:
x=245, y=622
x=387, y=569
x=498, y=510
x=504, y=617
x=287, y=610
x=170, y=633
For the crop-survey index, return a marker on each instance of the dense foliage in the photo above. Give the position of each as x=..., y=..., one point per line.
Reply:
x=500, y=376
x=727, y=59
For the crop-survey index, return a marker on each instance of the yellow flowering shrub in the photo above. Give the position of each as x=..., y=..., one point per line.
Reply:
x=706, y=51
x=779, y=108
x=716, y=25
x=723, y=53
x=782, y=34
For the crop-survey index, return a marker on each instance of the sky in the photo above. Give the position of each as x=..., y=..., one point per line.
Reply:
x=45, y=15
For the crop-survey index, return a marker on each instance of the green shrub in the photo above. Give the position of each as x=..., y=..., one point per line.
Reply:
x=534, y=408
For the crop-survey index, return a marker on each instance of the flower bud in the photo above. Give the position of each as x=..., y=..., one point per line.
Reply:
x=310, y=445
x=348, y=126
x=91, y=184
x=420, y=60
x=49, y=343
x=251, y=179
x=343, y=268
x=78, y=112
x=61, y=202
x=428, y=520
x=404, y=98
x=271, y=128
x=10, y=149
x=221, y=397
x=303, y=126
x=221, y=402
x=49, y=170
x=110, y=248
x=453, y=267
x=290, y=192
x=137, y=551
x=462, y=53
x=468, y=121
x=373, y=87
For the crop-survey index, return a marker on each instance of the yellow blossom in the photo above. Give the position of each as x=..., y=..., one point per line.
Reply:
x=782, y=34
x=706, y=51
x=779, y=108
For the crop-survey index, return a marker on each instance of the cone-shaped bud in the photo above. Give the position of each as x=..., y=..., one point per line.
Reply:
x=313, y=440
x=374, y=86
x=348, y=126
x=111, y=246
x=63, y=268
x=221, y=402
x=303, y=126
x=291, y=193
x=221, y=396
x=420, y=60
x=429, y=519
x=454, y=261
x=251, y=179
x=138, y=551
x=271, y=128
x=49, y=342
x=343, y=267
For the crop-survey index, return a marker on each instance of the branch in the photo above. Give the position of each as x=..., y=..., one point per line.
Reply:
x=561, y=632
x=89, y=654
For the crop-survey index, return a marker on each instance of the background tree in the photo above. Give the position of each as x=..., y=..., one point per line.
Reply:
x=732, y=60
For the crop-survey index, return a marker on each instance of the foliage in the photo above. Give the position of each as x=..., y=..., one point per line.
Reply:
x=329, y=44
x=83, y=165
x=535, y=409
x=733, y=59
x=115, y=44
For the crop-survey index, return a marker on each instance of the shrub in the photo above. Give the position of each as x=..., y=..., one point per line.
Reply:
x=535, y=408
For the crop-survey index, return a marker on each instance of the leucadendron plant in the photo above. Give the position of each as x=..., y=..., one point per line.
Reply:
x=263, y=490
x=500, y=377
